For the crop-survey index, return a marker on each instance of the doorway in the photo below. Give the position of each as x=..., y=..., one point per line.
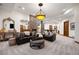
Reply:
x=66, y=28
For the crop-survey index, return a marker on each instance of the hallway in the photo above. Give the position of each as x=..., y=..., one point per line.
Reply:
x=62, y=46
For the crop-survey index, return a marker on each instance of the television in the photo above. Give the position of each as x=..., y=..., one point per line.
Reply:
x=11, y=26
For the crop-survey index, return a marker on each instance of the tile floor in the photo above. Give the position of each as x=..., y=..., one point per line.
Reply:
x=62, y=46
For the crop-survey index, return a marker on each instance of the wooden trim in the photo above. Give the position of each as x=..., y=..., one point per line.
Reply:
x=66, y=36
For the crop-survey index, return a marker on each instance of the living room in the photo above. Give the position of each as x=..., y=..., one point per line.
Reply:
x=19, y=26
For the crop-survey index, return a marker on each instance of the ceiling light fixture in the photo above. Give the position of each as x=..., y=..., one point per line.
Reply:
x=69, y=10
x=40, y=14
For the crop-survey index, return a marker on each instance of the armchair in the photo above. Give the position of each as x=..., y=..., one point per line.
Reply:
x=21, y=38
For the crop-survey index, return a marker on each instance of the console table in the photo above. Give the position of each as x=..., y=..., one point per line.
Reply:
x=6, y=35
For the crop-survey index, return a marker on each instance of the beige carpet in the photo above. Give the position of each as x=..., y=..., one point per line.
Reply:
x=62, y=46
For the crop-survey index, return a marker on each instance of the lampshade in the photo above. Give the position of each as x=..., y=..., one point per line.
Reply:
x=40, y=17
x=40, y=14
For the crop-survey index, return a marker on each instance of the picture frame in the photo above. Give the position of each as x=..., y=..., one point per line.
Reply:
x=72, y=26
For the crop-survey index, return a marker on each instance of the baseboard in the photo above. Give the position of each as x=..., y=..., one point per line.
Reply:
x=72, y=37
x=67, y=36
x=77, y=42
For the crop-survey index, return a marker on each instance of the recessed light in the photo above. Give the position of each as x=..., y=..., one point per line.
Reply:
x=64, y=9
x=23, y=8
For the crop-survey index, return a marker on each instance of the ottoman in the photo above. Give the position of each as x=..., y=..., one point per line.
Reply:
x=37, y=44
x=12, y=41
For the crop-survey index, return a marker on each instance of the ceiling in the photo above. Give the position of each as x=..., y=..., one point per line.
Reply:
x=53, y=11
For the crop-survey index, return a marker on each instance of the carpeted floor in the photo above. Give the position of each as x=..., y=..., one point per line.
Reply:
x=62, y=46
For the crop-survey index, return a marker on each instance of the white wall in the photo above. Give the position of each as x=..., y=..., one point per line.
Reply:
x=61, y=27
x=47, y=26
x=16, y=16
x=77, y=31
x=74, y=19
x=76, y=23
x=71, y=32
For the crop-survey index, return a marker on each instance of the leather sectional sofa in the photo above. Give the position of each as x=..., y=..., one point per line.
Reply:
x=50, y=38
x=21, y=38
